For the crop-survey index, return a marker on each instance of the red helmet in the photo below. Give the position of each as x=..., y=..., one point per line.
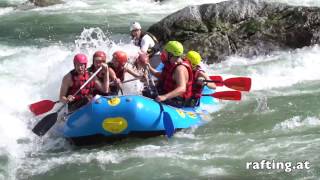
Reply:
x=121, y=57
x=80, y=58
x=100, y=54
x=143, y=58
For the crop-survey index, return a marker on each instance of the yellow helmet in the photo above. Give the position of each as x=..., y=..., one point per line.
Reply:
x=194, y=58
x=174, y=47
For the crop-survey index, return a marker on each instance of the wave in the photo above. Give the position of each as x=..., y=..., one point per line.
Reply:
x=6, y=10
x=29, y=74
x=298, y=122
x=280, y=69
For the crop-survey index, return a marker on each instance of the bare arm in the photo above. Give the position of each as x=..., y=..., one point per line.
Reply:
x=66, y=83
x=103, y=85
x=106, y=78
x=112, y=74
x=134, y=74
x=153, y=71
x=211, y=85
x=113, y=77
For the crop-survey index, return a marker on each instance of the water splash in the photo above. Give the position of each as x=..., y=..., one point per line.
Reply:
x=278, y=70
x=262, y=105
x=93, y=38
x=298, y=122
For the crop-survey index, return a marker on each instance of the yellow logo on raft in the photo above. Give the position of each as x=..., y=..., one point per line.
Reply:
x=114, y=101
x=192, y=115
x=181, y=113
x=115, y=125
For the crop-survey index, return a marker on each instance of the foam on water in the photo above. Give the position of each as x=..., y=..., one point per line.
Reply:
x=281, y=69
x=22, y=83
x=298, y=122
x=39, y=166
x=211, y=170
x=298, y=2
x=104, y=157
x=6, y=10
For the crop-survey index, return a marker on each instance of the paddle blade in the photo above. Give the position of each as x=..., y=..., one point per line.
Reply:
x=238, y=83
x=41, y=107
x=45, y=124
x=217, y=80
x=226, y=95
x=168, y=124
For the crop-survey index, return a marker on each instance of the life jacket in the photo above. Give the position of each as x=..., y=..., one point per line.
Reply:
x=154, y=49
x=163, y=76
x=100, y=75
x=169, y=83
x=196, y=88
x=77, y=82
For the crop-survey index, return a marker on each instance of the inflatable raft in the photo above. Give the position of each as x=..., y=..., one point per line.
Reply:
x=110, y=118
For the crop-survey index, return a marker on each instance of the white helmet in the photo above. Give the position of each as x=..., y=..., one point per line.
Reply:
x=135, y=26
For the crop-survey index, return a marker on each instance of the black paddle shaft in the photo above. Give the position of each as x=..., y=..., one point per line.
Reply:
x=47, y=122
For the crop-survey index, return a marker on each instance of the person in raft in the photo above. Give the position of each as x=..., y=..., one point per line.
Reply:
x=117, y=70
x=149, y=89
x=72, y=82
x=199, y=76
x=147, y=43
x=176, y=78
x=102, y=78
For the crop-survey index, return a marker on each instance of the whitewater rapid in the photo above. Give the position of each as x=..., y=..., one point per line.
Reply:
x=278, y=114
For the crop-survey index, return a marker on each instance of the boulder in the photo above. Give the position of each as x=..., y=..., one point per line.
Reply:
x=242, y=27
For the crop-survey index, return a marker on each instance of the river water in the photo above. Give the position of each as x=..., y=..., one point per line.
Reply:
x=277, y=121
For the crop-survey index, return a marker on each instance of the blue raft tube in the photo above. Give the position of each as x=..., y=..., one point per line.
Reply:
x=107, y=119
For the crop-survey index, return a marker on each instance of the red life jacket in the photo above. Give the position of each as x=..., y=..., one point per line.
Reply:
x=196, y=88
x=77, y=82
x=170, y=84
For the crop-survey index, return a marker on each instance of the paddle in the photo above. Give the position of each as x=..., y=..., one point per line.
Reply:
x=226, y=95
x=237, y=83
x=44, y=106
x=48, y=121
x=167, y=120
